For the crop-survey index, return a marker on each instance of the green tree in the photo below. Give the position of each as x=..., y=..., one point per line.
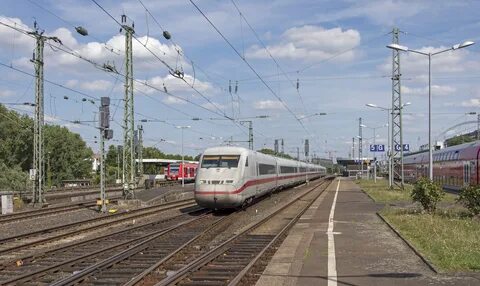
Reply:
x=460, y=139
x=67, y=154
x=12, y=178
x=16, y=139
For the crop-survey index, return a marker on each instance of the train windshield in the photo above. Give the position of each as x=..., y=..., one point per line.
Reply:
x=220, y=161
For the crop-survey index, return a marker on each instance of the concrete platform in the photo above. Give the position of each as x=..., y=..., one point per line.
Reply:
x=355, y=247
x=166, y=193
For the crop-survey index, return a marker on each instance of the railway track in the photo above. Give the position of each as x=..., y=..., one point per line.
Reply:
x=150, y=251
x=153, y=259
x=49, y=211
x=55, y=264
x=21, y=245
x=231, y=261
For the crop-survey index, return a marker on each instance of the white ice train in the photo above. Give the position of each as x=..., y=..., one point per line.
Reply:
x=230, y=177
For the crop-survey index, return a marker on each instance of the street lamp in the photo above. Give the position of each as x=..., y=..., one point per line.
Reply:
x=389, y=152
x=429, y=55
x=183, y=157
x=374, y=160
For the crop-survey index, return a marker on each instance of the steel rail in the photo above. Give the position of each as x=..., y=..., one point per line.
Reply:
x=38, y=255
x=125, y=254
x=143, y=239
x=127, y=216
x=217, y=251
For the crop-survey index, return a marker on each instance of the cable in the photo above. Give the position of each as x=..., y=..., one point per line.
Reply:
x=270, y=54
x=173, y=70
x=109, y=48
x=249, y=65
x=50, y=82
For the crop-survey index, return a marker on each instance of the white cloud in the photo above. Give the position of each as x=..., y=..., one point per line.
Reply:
x=175, y=85
x=12, y=41
x=310, y=43
x=173, y=100
x=6, y=93
x=94, y=85
x=437, y=90
x=472, y=102
x=268, y=104
x=95, y=51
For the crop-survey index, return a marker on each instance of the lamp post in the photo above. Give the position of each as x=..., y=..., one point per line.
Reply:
x=429, y=55
x=374, y=160
x=389, y=151
x=183, y=157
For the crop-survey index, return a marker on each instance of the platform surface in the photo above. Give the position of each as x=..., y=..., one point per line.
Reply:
x=355, y=248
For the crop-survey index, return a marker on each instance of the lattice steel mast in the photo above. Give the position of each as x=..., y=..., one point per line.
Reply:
x=37, y=173
x=397, y=134
x=128, y=117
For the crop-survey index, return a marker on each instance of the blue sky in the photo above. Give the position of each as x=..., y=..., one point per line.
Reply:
x=336, y=49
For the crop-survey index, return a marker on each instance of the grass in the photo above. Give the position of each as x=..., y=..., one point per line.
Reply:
x=380, y=193
x=450, y=241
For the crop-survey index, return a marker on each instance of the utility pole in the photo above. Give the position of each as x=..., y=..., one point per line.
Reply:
x=128, y=117
x=360, y=139
x=250, y=132
x=283, y=147
x=37, y=172
x=397, y=134
x=275, y=147
x=119, y=149
x=140, y=151
x=298, y=153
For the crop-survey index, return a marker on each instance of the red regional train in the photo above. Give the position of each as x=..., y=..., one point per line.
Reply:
x=453, y=167
x=175, y=171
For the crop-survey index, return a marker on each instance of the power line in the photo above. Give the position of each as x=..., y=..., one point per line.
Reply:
x=249, y=65
x=270, y=54
x=49, y=81
x=109, y=48
x=171, y=70
x=176, y=45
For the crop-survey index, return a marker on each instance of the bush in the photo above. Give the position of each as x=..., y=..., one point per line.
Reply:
x=470, y=198
x=427, y=193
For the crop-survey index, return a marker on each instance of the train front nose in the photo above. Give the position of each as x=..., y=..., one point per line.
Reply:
x=217, y=196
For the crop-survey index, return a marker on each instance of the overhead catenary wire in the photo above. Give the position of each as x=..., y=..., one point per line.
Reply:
x=269, y=53
x=107, y=47
x=70, y=51
x=249, y=65
x=220, y=113
x=101, y=67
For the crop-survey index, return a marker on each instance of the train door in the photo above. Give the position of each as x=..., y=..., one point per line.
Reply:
x=467, y=168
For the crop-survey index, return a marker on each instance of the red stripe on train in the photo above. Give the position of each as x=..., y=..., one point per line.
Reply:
x=250, y=183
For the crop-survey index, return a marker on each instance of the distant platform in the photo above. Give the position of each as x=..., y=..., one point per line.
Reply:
x=354, y=248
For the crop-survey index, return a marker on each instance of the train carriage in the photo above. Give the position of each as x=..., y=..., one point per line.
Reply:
x=229, y=177
x=453, y=167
